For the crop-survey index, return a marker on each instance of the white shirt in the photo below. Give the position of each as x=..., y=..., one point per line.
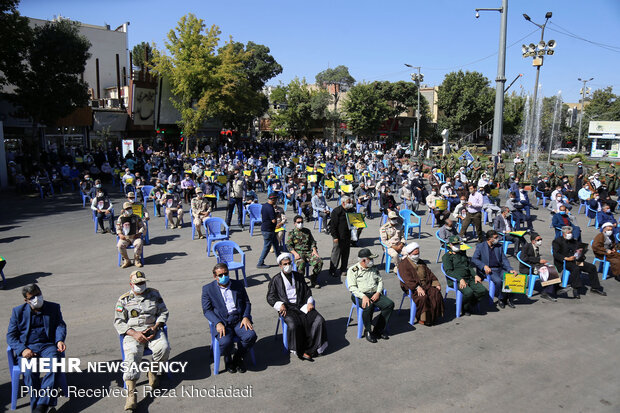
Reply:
x=291, y=294
x=228, y=299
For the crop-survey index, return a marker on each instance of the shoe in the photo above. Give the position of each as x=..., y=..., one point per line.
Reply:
x=138, y=262
x=40, y=409
x=131, y=401
x=239, y=364
x=202, y=237
x=598, y=291
x=383, y=336
x=262, y=266
x=501, y=304
x=230, y=367
x=547, y=297
x=370, y=337
x=306, y=357
x=576, y=293
x=105, y=231
x=510, y=304
x=126, y=263
x=153, y=379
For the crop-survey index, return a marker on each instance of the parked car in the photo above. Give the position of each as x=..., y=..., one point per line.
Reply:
x=563, y=152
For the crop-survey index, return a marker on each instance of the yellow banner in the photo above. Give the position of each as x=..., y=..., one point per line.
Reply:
x=320, y=170
x=247, y=173
x=311, y=178
x=188, y=171
x=208, y=174
x=356, y=220
x=515, y=283
x=129, y=181
x=280, y=229
x=465, y=247
x=138, y=209
x=518, y=233
x=330, y=184
x=295, y=160
x=347, y=189
x=222, y=179
x=323, y=165
x=349, y=178
x=309, y=169
x=441, y=204
x=495, y=192
x=210, y=196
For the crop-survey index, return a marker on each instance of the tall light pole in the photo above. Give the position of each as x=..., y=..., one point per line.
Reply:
x=530, y=51
x=583, y=102
x=500, y=80
x=417, y=78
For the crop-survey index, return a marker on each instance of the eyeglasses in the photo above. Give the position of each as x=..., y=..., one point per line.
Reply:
x=538, y=239
x=223, y=274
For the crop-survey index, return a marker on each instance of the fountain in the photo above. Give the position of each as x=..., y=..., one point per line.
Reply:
x=557, y=118
x=531, y=129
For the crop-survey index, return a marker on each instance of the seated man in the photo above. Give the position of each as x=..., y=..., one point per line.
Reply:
x=37, y=330
x=424, y=285
x=606, y=216
x=366, y=284
x=562, y=219
x=544, y=188
x=604, y=246
x=200, y=211
x=140, y=317
x=457, y=265
x=156, y=194
x=502, y=225
x=516, y=209
x=406, y=196
x=363, y=197
x=302, y=245
x=570, y=252
x=557, y=200
x=226, y=305
x=447, y=230
x=392, y=235
x=530, y=254
x=431, y=203
x=129, y=230
x=523, y=198
x=489, y=259
x=448, y=192
x=320, y=208
x=86, y=186
x=172, y=203
x=290, y=296
x=127, y=181
x=103, y=209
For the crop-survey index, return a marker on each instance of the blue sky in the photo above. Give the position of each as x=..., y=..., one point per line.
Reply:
x=374, y=39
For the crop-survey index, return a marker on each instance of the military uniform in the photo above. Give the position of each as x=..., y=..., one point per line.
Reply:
x=612, y=178
x=501, y=173
x=132, y=228
x=476, y=166
x=551, y=174
x=199, y=205
x=391, y=235
x=458, y=266
x=303, y=243
x=451, y=167
x=534, y=169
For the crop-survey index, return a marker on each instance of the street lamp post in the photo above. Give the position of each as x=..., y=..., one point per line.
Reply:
x=583, y=102
x=417, y=78
x=530, y=51
x=500, y=80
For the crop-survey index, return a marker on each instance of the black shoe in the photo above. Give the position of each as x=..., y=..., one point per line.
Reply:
x=510, y=304
x=239, y=364
x=371, y=337
x=40, y=409
x=262, y=266
x=230, y=367
x=598, y=291
x=383, y=336
x=563, y=291
x=306, y=358
x=576, y=293
x=466, y=313
x=501, y=304
x=547, y=297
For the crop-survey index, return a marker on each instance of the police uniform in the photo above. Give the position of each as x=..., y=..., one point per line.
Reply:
x=392, y=235
x=131, y=227
x=139, y=312
x=303, y=243
x=198, y=205
x=172, y=203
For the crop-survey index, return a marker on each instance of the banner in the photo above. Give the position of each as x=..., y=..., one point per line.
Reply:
x=356, y=220
x=441, y=204
x=349, y=178
x=247, y=173
x=347, y=189
x=515, y=283
x=127, y=146
x=311, y=178
x=309, y=169
x=138, y=209
x=495, y=192
x=518, y=233
x=222, y=179
x=208, y=174
x=330, y=184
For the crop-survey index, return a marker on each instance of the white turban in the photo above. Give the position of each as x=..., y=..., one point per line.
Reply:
x=283, y=256
x=606, y=224
x=411, y=247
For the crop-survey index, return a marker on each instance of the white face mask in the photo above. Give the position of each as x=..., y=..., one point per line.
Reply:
x=455, y=248
x=370, y=264
x=139, y=289
x=286, y=269
x=569, y=236
x=608, y=233
x=299, y=225
x=127, y=213
x=394, y=221
x=538, y=243
x=434, y=192
x=414, y=257
x=494, y=241
x=36, y=302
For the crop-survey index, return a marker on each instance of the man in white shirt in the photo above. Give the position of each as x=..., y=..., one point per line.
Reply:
x=291, y=297
x=474, y=208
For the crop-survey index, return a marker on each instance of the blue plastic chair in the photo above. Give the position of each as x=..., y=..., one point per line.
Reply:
x=130, y=247
x=413, y=308
x=582, y=203
x=84, y=197
x=166, y=217
x=147, y=351
x=386, y=257
x=213, y=228
x=430, y=215
x=443, y=246
x=506, y=242
x=603, y=266
x=540, y=195
x=319, y=220
x=215, y=347
x=532, y=278
x=224, y=251
x=358, y=307
x=95, y=220
x=442, y=177
x=255, y=216
x=459, y=294
x=459, y=225
x=411, y=220
x=588, y=209
x=16, y=374
x=146, y=191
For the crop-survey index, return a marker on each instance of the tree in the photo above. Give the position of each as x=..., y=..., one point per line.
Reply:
x=50, y=87
x=514, y=105
x=466, y=100
x=401, y=96
x=335, y=81
x=604, y=105
x=16, y=35
x=365, y=109
x=141, y=54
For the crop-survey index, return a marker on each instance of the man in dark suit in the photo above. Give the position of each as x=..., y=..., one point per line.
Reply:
x=37, y=330
x=530, y=254
x=489, y=259
x=341, y=235
x=562, y=219
x=226, y=305
x=501, y=224
x=291, y=297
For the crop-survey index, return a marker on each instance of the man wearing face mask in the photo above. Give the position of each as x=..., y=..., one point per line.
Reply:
x=424, y=285
x=226, y=305
x=341, y=236
x=290, y=296
x=568, y=250
x=129, y=229
x=200, y=211
x=140, y=316
x=530, y=254
x=607, y=216
x=157, y=193
x=392, y=235
x=302, y=245
x=502, y=225
x=103, y=209
x=456, y=264
x=563, y=219
x=431, y=202
x=37, y=330
x=366, y=284
x=604, y=246
x=474, y=214
x=490, y=260
x=172, y=203
x=268, y=229
x=236, y=195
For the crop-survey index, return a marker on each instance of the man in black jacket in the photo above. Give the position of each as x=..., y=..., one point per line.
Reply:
x=569, y=251
x=291, y=297
x=501, y=224
x=341, y=234
x=530, y=254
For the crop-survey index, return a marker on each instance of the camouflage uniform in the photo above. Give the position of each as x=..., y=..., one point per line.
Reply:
x=303, y=243
x=500, y=175
x=476, y=170
x=198, y=205
x=392, y=235
x=611, y=178
x=133, y=229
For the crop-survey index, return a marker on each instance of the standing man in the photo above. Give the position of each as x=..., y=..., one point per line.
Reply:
x=366, y=284
x=140, y=317
x=268, y=229
x=392, y=236
x=341, y=236
x=37, y=330
x=226, y=305
x=473, y=213
x=580, y=173
x=302, y=245
x=236, y=195
x=129, y=229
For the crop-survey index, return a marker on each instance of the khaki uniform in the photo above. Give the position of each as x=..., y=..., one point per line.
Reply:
x=199, y=205
x=302, y=242
x=176, y=206
x=392, y=235
x=133, y=229
x=139, y=312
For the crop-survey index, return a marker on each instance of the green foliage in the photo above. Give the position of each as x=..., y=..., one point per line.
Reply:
x=141, y=54
x=365, y=109
x=401, y=96
x=466, y=99
x=603, y=106
x=579, y=156
x=15, y=35
x=337, y=76
x=514, y=106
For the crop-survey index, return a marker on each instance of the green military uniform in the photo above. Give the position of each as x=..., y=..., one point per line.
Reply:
x=303, y=243
x=451, y=167
x=611, y=178
x=490, y=168
x=551, y=174
x=458, y=266
x=559, y=173
x=500, y=175
x=534, y=169
x=519, y=170
x=476, y=166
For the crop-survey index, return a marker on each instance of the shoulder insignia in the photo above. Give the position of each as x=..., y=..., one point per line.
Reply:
x=134, y=313
x=119, y=308
x=125, y=295
x=354, y=269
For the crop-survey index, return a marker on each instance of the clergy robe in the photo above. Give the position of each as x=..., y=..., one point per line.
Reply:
x=430, y=306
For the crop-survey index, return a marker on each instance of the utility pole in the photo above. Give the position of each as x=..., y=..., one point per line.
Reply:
x=498, y=119
x=417, y=78
x=583, y=102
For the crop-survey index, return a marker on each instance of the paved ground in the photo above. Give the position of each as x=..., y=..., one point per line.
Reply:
x=538, y=357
